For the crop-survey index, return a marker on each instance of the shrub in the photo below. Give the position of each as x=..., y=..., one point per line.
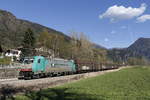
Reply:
x=5, y=60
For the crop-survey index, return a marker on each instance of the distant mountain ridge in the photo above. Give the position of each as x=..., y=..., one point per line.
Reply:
x=98, y=46
x=140, y=47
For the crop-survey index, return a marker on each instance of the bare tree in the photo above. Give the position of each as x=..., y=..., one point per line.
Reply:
x=81, y=46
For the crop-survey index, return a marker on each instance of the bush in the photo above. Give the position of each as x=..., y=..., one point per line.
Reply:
x=5, y=60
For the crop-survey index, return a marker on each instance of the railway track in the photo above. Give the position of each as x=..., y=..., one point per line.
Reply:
x=51, y=81
x=10, y=79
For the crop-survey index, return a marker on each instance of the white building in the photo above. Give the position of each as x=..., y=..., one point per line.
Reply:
x=13, y=53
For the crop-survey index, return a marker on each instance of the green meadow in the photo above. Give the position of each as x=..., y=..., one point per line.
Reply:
x=127, y=84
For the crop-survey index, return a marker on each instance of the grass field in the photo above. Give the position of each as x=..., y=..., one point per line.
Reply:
x=126, y=84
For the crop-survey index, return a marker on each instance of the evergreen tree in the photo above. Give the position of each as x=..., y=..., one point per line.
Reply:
x=28, y=44
x=1, y=50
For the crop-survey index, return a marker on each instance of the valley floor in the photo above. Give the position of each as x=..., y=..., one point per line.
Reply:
x=126, y=84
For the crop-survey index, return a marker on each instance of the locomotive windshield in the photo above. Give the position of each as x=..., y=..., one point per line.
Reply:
x=26, y=60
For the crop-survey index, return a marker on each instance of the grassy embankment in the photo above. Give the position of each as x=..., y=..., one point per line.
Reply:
x=126, y=84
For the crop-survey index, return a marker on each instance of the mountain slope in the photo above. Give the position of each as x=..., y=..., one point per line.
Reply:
x=140, y=47
x=12, y=29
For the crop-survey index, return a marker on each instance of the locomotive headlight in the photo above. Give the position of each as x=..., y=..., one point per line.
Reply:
x=53, y=65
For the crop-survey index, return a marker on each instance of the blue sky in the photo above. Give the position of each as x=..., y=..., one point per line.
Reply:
x=110, y=23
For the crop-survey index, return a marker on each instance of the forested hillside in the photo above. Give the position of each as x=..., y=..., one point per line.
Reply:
x=12, y=29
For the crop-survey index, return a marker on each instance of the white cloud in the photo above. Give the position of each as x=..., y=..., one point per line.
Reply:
x=143, y=18
x=106, y=39
x=120, y=12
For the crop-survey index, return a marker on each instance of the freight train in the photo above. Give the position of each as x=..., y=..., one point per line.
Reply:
x=45, y=67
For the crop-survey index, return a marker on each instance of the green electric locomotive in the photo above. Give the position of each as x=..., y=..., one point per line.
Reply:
x=42, y=67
